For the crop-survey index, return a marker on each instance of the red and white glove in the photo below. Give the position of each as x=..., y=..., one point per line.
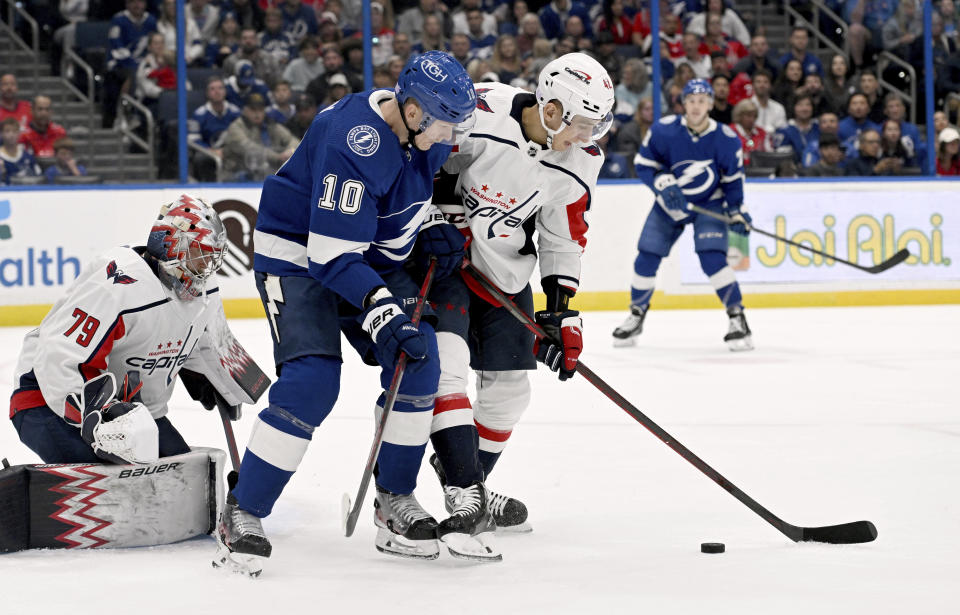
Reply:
x=561, y=349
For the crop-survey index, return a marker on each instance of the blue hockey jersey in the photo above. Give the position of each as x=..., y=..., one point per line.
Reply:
x=349, y=203
x=708, y=166
x=128, y=39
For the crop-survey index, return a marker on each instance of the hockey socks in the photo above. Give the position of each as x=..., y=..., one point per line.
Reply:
x=644, y=278
x=722, y=278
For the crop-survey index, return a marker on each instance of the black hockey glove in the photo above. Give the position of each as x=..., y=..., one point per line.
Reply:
x=444, y=241
x=561, y=349
x=391, y=330
x=740, y=220
x=200, y=389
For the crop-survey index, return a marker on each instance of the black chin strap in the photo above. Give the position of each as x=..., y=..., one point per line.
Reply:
x=411, y=134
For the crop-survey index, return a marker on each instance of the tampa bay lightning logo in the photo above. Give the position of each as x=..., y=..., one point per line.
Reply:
x=363, y=140
x=432, y=69
x=694, y=176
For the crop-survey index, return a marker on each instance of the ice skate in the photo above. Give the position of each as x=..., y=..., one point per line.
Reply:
x=626, y=333
x=469, y=530
x=738, y=337
x=509, y=514
x=242, y=546
x=404, y=528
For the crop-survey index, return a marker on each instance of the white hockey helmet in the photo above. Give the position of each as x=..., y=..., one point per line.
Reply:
x=584, y=89
x=188, y=240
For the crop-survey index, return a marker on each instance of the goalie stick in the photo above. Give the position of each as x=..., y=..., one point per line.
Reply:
x=894, y=260
x=845, y=533
x=351, y=511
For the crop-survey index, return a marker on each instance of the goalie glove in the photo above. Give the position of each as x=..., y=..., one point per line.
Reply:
x=118, y=431
x=740, y=220
x=669, y=196
x=202, y=390
x=560, y=349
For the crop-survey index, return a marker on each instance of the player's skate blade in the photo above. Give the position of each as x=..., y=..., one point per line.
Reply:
x=239, y=563
x=477, y=548
x=404, y=528
x=624, y=342
x=740, y=344
x=395, y=544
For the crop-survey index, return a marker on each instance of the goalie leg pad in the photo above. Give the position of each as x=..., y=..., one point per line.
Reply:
x=87, y=505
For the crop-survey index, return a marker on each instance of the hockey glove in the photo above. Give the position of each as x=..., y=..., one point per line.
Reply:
x=670, y=196
x=118, y=431
x=202, y=390
x=444, y=241
x=391, y=330
x=560, y=350
x=740, y=220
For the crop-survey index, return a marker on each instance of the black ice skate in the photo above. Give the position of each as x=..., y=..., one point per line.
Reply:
x=242, y=546
x=738, y=337
x=404, y=528
x=625, y=334
x=469, y=529
x=509, y=514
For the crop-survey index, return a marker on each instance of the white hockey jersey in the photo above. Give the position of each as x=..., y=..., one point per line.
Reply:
x=117, y=317
x=511, y=187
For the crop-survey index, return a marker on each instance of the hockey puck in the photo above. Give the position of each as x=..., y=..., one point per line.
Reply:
x=712, y=547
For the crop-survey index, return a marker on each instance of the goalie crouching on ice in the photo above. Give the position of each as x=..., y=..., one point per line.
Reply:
x=93, y=380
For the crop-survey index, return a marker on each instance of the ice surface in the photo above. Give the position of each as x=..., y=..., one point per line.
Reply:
x=839, y=415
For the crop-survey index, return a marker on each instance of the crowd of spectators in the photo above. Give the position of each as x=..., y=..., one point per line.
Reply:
x=277, y=62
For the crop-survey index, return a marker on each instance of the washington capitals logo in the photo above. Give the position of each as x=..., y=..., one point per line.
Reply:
x=593, y=150
x=579, y=74
x=363, y=140
x=118, y=276
x=482, y=104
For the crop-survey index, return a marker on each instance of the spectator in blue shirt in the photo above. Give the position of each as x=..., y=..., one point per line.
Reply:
x=64, y=164
x=827, y=124
x=15, y=159
x=481, y=43
x=858, y=108
x=299, y=20
x=127, y=39
x=554, y=16
x=866, y=19
x=894, y=109
x=799, y=39
x=799, y=131
x=244, y=83
x=207, y=127
x=282, y=109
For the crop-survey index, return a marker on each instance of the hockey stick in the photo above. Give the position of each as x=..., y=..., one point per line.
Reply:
x=351, y=511
x=845, y=533
x=231, y=439
x=894, y=260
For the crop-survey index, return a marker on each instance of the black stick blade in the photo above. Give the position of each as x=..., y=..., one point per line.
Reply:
x=844, y=534
x=894, y=260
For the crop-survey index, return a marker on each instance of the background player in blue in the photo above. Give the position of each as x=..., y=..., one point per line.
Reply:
x=690, y=158
x=334, y=227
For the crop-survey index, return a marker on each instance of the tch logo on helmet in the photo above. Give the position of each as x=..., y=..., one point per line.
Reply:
x=579, y=74
x=432, y=69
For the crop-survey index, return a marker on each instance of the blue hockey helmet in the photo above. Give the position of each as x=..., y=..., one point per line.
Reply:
x=696, y=86
x=442, y=88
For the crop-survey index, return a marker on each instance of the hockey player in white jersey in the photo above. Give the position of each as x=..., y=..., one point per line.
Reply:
x=690, y=158
x=93, y=380
x=523, y=182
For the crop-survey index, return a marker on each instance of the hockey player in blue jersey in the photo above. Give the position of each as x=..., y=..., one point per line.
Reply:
x=690, y=159
x=335, y=225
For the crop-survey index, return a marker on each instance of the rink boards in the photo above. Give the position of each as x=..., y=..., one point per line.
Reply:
x=48, y=234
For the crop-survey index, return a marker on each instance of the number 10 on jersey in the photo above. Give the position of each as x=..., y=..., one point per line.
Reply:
x=351, y=194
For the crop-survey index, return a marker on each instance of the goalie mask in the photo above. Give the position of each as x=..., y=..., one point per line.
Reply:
x=187, y=240
x=584, y=89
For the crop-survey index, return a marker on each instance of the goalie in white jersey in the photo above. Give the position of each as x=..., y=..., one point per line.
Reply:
x=93, y=380
x=523, y=181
